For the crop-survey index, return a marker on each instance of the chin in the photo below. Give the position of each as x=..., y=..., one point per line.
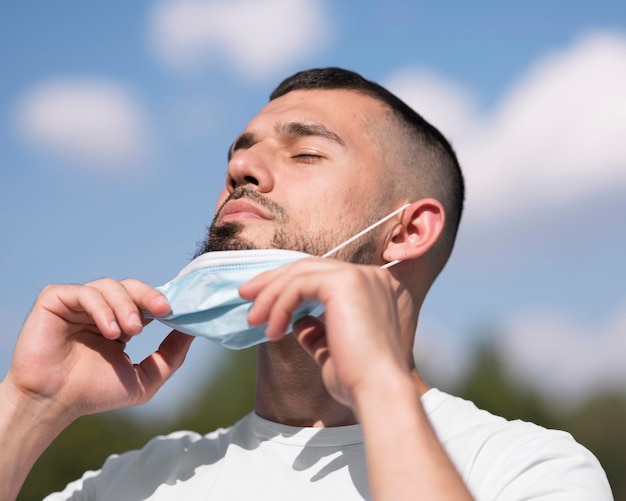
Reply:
x=228, y=237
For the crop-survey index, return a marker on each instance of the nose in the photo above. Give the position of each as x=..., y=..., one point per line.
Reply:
x=249, y=167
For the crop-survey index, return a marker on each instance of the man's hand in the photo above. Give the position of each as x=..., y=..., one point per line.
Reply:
x=71, y=349
x=69, y=361
x=360, y=335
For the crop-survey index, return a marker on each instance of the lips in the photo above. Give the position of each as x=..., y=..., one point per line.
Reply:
x=236, y=210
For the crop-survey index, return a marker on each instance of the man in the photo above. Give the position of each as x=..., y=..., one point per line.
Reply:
x=330, y=154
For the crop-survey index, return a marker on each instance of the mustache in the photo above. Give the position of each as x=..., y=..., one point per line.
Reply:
x=273, y=208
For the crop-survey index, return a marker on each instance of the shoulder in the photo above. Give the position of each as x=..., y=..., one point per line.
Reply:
x=508, y=457
x=173, y=457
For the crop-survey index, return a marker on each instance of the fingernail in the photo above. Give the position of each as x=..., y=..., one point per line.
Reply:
x=115, y=327
x=134, y=319
x=162, y=300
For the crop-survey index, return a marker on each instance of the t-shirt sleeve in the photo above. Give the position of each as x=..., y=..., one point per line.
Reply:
x=502, y=460
x=550, y=468
x=138, y=474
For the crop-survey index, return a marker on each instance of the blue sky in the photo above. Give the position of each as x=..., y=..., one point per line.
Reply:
x=115, y=119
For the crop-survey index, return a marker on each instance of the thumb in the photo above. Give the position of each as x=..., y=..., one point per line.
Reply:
x=158, y=367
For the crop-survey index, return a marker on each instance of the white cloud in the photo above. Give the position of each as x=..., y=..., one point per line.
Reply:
x=257, y=37
x=561, y=359
x=95, y=122
x=447, y=105
x=557, y=136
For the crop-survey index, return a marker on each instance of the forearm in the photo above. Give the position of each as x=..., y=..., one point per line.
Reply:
x=405, y=459
x=26, y=430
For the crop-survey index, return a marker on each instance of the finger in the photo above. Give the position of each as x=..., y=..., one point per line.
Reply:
x=251, y=289
x=263, y=290
x=79, y=304
x=157, y=368
x=267, y=287
x=277, y=303
x=121, y=302
x=147, y=298
x=311, y=334
x=128, y=298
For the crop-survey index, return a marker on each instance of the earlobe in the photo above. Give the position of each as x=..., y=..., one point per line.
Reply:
x=416, y=233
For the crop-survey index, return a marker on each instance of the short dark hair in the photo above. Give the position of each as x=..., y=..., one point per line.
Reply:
x=429, y=148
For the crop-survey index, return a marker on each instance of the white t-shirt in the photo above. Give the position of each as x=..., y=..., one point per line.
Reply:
x=258, y=459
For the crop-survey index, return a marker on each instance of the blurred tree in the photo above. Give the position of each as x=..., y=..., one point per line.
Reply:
x=600, y=425
x=491, y=387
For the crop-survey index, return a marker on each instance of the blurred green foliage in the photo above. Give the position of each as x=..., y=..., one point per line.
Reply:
x=599, y=424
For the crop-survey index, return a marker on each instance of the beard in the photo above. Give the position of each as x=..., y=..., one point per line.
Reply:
x=227, y=236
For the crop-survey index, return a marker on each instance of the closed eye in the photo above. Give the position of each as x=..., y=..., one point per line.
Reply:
x=307, y=157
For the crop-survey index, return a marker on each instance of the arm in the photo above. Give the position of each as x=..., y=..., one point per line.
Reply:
x=69, y=361
x=404, y=457
x=365, y=365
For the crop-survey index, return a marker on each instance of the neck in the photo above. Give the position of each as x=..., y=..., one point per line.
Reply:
x=290, y=389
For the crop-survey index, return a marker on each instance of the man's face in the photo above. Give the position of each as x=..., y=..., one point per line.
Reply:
x=305, y=174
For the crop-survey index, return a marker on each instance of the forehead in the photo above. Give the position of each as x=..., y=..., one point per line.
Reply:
x=345, y=113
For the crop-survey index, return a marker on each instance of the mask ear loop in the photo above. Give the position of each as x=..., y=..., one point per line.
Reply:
x=390, y=264
x=366, y=230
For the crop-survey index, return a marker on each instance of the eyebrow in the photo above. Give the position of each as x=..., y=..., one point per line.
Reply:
x=298, y=129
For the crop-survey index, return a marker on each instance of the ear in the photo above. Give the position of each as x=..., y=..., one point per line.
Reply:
x=419, y=228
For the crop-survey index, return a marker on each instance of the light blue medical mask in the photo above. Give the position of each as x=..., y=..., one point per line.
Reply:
x=204, y=296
